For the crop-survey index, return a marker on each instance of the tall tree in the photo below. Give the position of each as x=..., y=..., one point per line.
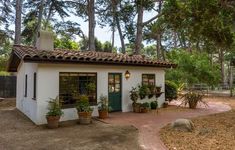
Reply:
x=91, y=22
x=18, y=22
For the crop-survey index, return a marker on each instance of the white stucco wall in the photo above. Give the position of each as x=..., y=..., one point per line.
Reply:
x=26, y=104
x=48, y=85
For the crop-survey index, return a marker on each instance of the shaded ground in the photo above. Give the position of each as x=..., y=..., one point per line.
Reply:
x=17, y=132
x=215, y=132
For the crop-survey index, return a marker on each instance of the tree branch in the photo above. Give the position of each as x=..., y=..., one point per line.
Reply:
x=152, y=19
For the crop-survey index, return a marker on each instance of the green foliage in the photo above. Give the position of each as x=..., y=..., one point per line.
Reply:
x=103, y=103
x=83, y=105
x=54, y=107
x=192, y=68
x=143, y=91
x=3, y=63
x=145, y=105
x=134, y=95
x=154, y=105
x=201, y=20
x=192, y=99
x=65, y=43
x=170, y=90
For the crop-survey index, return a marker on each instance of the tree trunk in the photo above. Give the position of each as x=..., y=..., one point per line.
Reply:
x=113, y=36
x=231, y=79
x=18, y=22
x=117, y=21
x=39, y=22
x=48, y=17
x=139, y=34
x=159, y=47
x=91, y=19
x=222, y=71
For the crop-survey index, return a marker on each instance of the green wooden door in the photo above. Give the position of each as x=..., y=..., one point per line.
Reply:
x=115, y=91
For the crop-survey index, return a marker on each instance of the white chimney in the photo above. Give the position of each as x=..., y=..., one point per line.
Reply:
x=45, y=41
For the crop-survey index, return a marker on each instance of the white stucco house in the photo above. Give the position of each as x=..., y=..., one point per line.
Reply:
x=44, y=72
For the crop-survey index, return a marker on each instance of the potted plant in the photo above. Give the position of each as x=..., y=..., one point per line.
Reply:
x=145, y=107
x=192, y=99
x=151, y=91
x=134, y=97
x=165, y=104
x=143, y=91
x=158, y=89
x=154, y=105
x=54, y=113
x=84, y=110
x=103, y=107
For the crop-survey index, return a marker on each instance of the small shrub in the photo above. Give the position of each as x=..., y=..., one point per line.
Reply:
x=154, y=105
x=103, y=103
x=134, y=95
x=145, y=105
x=170, y=90
x=192, y=99
x=143, y=91
x=54, y=107
x=83, y=105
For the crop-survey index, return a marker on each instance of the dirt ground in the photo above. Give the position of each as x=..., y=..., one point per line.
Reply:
x=213, y=132
x=17, y=132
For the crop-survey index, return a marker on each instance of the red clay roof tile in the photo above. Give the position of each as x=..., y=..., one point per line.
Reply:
x=28, y=53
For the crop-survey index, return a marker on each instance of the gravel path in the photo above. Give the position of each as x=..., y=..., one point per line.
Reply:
x=149, y=124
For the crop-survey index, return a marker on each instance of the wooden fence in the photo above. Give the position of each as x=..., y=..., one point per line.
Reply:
x=8, y=86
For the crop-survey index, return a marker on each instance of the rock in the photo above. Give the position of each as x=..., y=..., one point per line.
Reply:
x=183, y=125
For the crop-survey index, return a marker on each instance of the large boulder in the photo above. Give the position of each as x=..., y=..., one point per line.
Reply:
x=183, y=125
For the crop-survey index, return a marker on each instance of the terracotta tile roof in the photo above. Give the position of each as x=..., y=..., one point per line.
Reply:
x=28, y=53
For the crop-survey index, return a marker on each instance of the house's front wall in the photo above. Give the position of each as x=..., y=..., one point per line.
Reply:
x=24, y=103
x=48, y=85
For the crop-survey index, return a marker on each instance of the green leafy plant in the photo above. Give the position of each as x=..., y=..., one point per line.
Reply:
x=152, y=90
x=145, y=105
x=143, y=91
x=54, y=107
x=91, y=87
x=170, y=90
x=83, y=105
x=103, y=103
x=192, y=99
x=134, y=95
x=154, y=105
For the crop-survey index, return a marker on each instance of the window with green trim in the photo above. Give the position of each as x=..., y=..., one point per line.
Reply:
x=71, y=85
x=148, y=79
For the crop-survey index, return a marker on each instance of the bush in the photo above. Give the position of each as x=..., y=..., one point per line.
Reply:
x=54, y=107
x=145, y=105
x=103, y=103
x=170, y=90
x=83, y=104
x=154, y=105
x=192, y=99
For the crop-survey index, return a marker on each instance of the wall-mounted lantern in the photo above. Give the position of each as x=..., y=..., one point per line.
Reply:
x=127, y=74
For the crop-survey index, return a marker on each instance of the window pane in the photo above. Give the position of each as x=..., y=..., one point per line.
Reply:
x=148, y=79
x=117, y=87
x=117, y=78
x=74, y=84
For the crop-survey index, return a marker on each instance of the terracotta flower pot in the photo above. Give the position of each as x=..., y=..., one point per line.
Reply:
x=84, y=117
x=136, y=108
x=103, y=114
x=144, y=110
x=165, y=105
x=53, y=121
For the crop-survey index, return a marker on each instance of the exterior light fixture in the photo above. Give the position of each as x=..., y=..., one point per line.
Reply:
x=127, y=74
